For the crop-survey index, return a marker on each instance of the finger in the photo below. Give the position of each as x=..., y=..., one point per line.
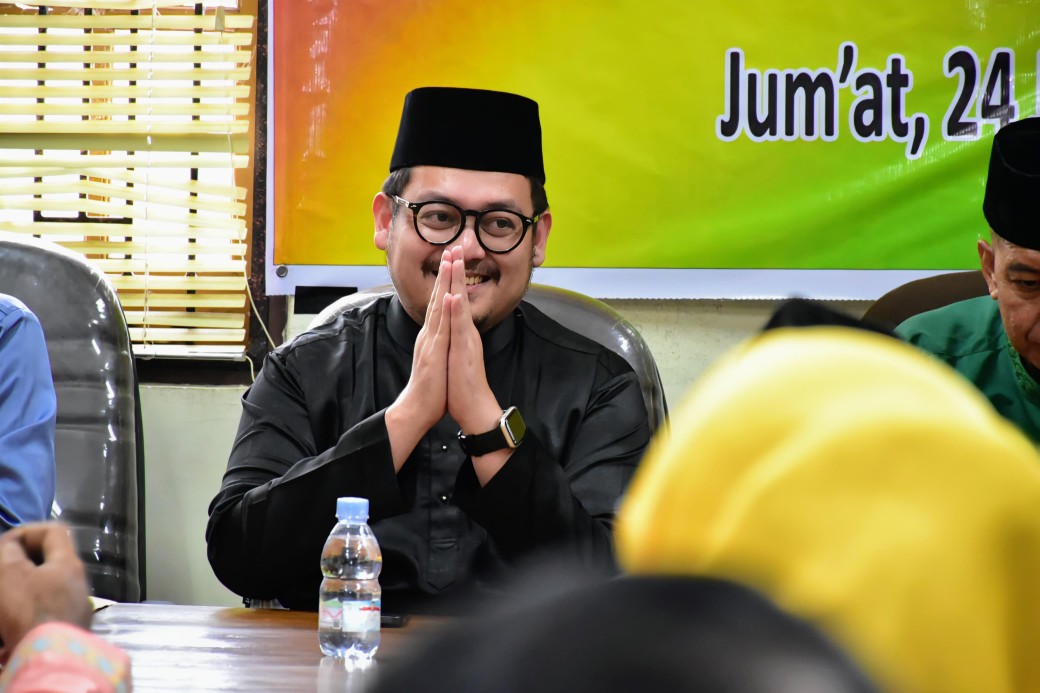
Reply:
x=57, y=544
x=462, y=310
x=461, y=322
x=12, y=552
x=458, y=277
x=444, y=280
x=45, y=540
x=440, y=287
x=434, y=311
x=444, y=329
x=439, y=318
x=436, y=339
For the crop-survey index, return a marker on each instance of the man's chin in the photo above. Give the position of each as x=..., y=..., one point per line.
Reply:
x=482, y=320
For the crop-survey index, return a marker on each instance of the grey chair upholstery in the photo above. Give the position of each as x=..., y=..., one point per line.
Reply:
x=582, y=314
x=926, y=294
x=98, y=453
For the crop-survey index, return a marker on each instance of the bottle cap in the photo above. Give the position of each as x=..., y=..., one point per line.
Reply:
x=348, y=508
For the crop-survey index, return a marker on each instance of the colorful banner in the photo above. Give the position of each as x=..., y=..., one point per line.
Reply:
x=678, y=134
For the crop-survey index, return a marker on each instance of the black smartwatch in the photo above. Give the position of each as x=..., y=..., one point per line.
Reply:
x=509, y=434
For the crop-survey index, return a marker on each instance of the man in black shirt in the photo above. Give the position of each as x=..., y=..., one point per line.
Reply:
x=481, y=431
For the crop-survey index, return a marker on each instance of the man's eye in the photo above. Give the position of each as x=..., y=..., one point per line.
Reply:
x=436, y=217
x=1026, y=283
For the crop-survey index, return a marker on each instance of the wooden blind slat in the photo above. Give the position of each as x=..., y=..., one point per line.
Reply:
x=118, y=209
x=136, y=91
x=187, y=351
x=34, y=108
x=161, y=263
x=238, y=250
x=107, y=4
x=159, y=282
x=176, y=334
x=179, y=300
x=145, y=178
x=136, y=142
x=111, y=21
x=231, y=55
x=144, y=75
x=103, y=209
x=142, y=39
x=165, y=318
x=117, y=195
x=58, y=232
x=174, y=159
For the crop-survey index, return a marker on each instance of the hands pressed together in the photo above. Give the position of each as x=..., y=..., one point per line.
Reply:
x=41, y=579
x=447, y=370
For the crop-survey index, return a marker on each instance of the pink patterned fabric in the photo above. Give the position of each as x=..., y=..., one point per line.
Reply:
x=62, y=658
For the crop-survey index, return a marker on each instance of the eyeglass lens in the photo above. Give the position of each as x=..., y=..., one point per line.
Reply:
x=439, y=222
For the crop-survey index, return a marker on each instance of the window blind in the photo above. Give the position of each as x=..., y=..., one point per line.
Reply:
x=123, y=124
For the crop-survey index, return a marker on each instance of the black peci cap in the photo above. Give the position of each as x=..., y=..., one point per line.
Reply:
x=471, y=129
x=1012, y=202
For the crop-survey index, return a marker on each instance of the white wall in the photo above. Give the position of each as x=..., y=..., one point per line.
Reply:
x=188, y=432
x=187, y=438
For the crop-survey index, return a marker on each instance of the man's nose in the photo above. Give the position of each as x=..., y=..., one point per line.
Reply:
x=471, y=248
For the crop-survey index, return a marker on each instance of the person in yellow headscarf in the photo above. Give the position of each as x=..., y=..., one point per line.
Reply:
x=865, y=487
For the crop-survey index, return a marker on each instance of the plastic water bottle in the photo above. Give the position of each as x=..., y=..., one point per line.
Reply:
x=350, y=599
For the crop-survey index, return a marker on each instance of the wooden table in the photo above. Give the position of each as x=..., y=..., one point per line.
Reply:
x=203, y=648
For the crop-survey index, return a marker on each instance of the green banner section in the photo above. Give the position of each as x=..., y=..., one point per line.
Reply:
x=677, y=133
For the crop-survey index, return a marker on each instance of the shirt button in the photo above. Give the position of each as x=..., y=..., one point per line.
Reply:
x=444, y=447
x=445, y=498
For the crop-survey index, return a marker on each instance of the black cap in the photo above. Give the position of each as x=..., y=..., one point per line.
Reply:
x=802, y=312
x=472, y=129
x=1012, y=199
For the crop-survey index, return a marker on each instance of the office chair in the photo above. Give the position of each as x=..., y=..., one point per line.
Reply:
x=926, y=294
x=585, y=315
x=98, y=444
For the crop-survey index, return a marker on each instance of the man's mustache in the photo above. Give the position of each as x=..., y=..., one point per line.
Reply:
x=431, y=267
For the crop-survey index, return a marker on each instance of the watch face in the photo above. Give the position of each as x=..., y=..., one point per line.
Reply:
x=515, y=426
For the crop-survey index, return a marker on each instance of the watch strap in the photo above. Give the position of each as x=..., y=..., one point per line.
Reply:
x=499, y=438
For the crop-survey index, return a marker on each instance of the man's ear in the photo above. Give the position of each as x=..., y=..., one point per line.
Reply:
x=987, y=257
x=541, y=236
x=383, y=216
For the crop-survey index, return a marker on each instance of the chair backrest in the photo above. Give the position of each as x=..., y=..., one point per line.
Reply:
x=98, y=454
x=585, y=315
x=922, y=295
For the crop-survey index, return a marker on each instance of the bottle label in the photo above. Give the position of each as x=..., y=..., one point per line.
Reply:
x=361, y=617
x=330, y=614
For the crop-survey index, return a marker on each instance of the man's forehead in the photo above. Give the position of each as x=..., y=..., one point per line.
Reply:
x=1017, y=258
x=466, y=184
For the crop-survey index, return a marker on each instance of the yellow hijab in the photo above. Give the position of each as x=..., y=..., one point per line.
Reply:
x=861, y=485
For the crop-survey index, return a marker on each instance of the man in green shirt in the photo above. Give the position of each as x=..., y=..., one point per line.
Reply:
x=994, y=340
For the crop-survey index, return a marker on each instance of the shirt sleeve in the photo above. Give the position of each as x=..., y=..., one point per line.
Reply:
x=28, y=411
x=539, y=502
x=61, y=658
x=278, y=497
x=910, y=330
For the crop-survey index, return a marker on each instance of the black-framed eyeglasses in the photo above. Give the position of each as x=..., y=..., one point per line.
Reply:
x=439, y=222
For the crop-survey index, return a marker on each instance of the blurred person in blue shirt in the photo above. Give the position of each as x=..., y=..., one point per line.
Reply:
x=28, y=409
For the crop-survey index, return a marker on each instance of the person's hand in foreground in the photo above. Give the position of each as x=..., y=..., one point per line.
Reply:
x=41, y=579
